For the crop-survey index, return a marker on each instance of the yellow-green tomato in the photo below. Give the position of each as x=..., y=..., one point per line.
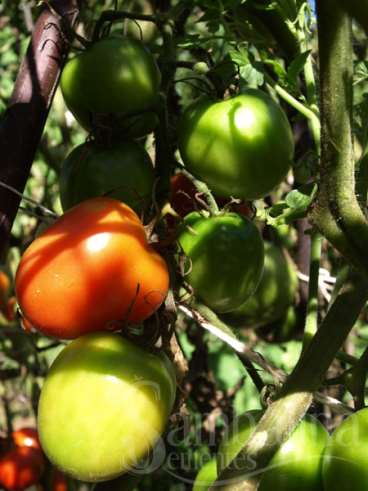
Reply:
x=104, y=404
x=225, y=258
x=297, y=464
x=206, y=476
x=274, y=294
x=115, y=76
x=345, y=465
x=242, y=146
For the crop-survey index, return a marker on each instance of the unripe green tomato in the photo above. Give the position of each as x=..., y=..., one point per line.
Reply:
x=104, y=404
x=345, y=465
x=225, y=258
x=115, y=76
x=297, y=463
x=275, y=292
x=206, y=476
x=284, y=327
x=123, y=171
x=241, y=147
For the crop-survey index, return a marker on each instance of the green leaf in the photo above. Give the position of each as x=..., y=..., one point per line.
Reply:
x=296, y=66
x=302, y=197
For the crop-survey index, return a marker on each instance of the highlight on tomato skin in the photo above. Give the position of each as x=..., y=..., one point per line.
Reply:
x=26, y=437
x=20, y=468
x=93, y=269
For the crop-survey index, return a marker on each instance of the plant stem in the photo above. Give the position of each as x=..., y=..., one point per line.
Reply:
x=296, y=395
x=337, y=212
x=311, y=322
x=299, y=106
x=114, y=15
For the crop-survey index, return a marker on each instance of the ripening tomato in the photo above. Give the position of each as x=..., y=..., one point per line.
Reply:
x=123, y=171
x=20, y=468
x=92, y=269
x=225, y=258
x=26, y=437
x=111, y=82
x=104, y=404
x=241, y=147
x=345, y=464
x=4, y=291
x=297, y=463
x=274, y=294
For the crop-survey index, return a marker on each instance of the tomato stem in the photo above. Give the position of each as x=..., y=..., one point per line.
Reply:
x=115, y=15
x=205, y=191
x=311, y=322
x=296, y=395
x=337, y=212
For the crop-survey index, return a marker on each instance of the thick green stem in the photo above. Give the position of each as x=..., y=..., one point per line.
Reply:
x=311, y=322
x=296, y=395
x=337, y=198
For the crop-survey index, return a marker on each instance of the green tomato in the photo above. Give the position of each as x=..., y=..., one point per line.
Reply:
x=284, y=327
x=104, y=404
x=225, y=258
x=297, y=463
x=241, y=147
x=206, y=476
x=275, y=292
x=123, y=171
x=115, y=76
x=345, y=465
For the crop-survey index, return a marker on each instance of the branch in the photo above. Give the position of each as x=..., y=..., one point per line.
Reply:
x=296, y=395
x=24, y=119
x=337, y=212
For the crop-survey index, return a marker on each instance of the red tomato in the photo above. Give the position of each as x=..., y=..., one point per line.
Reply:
x=11, y=309
x=58, y=481
x=183, y=198
x=20, y=468
x=26, y=437
x=93, y=269
x=182, y=195
x=4, y=290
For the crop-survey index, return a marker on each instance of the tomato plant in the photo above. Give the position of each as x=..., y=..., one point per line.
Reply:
x=270, y=301
x=92, y=269
x=99, y=382
x=345, y=464
x=123, y=171
x=297, y=463
x=115, y=76
x=20, y=468
x=26, y=437
x=225, y=254
x=242, y=146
